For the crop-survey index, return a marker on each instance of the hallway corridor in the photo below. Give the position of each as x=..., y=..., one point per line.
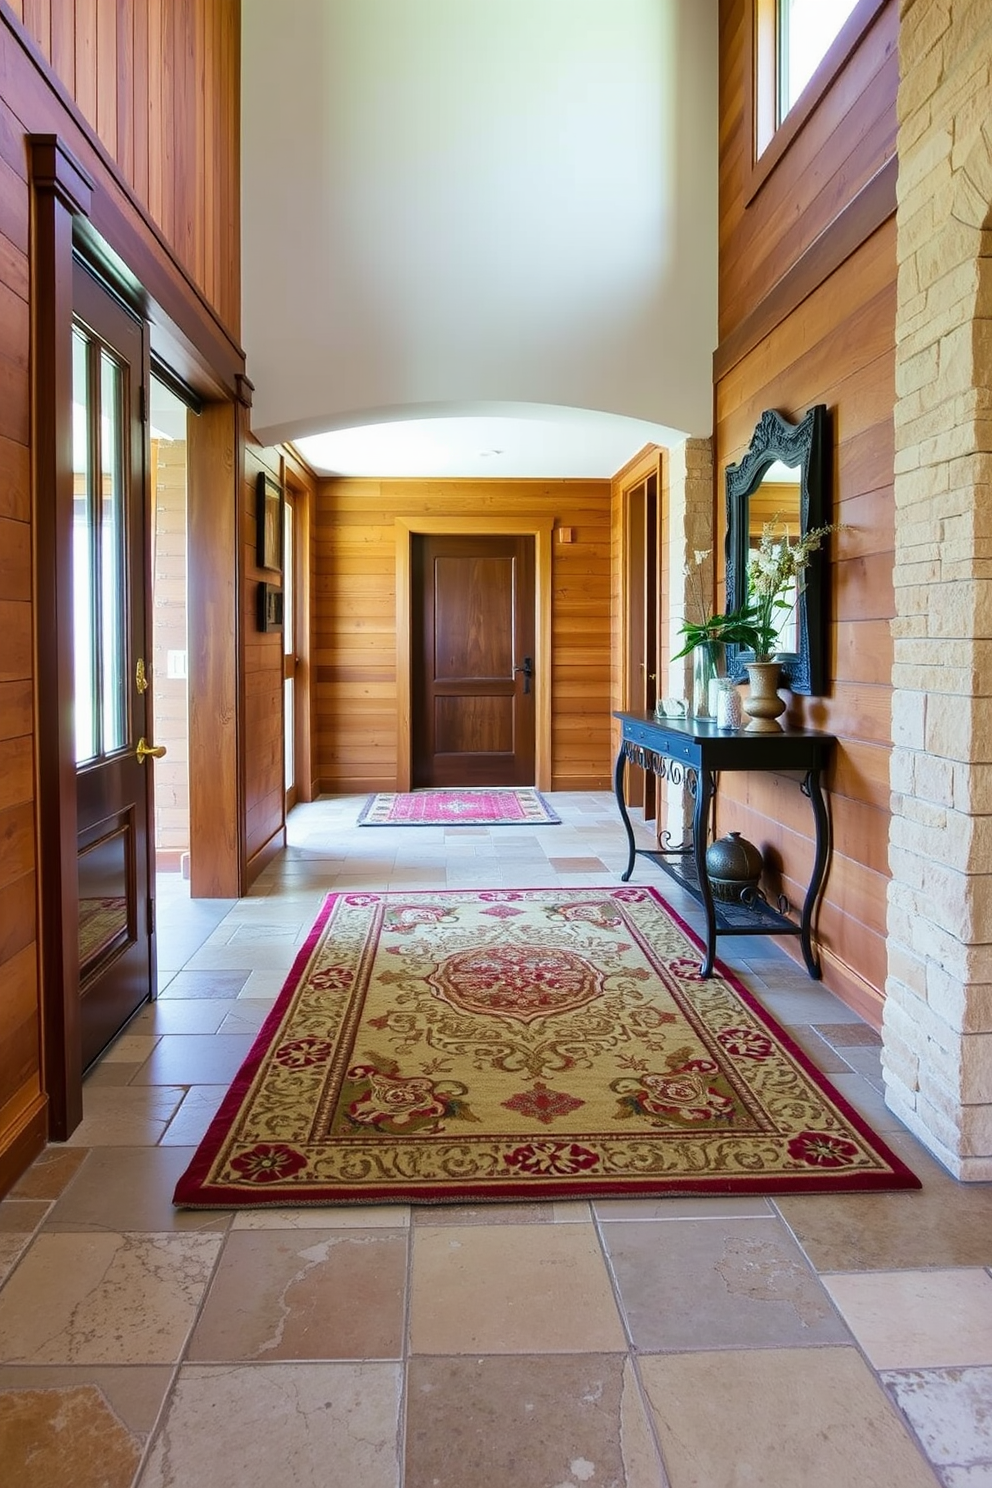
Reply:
x=837, y=1341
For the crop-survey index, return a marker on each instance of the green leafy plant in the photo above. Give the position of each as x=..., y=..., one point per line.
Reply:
x=736, y=628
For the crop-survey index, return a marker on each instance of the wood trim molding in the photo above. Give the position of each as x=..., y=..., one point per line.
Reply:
x=59, y=189
x=760, y=57
x=863, y=215
x=541, y=530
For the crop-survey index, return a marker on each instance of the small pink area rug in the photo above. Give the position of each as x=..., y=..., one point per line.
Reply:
x=458, y=808
x=464, y=1046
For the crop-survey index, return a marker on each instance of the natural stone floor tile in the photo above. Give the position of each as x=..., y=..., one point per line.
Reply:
x=22, y=1216
x=505, y=1289
x=823, y=1055
x=82, y=1427
x=305, y=1294
x=305, y=1425
x=189, y=1125
x=195, y=1059
x=868, y=1101
x=778, y=1418
x=130, y=1188
x=749, y=1282
x=951, y=1412
x=715, y=1207
x=341, y=1217
x=438, y=1215
x=205, y=984
x=577, y=865
x=132, y=1047
x=183, y=1014
x=109, y=1074
x=943, y=1224
x=247, y=1015
x=528, y=1422
x=918, y=1319
x=263, y=984
x=125, y=1115
x=104, y=1298
x=12, y=1247
x=50, y=1174
x=850, y=1035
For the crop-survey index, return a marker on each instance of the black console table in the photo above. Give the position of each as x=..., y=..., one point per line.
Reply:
x=692, y=752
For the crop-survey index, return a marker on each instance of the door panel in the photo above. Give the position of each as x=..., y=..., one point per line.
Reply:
x=473, y=629
x=113, y=779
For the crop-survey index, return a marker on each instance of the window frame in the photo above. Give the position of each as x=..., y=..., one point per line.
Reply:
x=769, y=141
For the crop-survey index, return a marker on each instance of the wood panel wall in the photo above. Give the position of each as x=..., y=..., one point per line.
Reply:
x=158, y=82
x=354, y=620
x=71, y=63
x=835, y=346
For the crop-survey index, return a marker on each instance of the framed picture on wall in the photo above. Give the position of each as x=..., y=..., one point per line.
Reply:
x=268, y=501
x=269, y=607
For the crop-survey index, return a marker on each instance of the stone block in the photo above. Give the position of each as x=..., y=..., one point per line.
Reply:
x=902, y=770
x=922, y=27
x=909, y=970
x=909, y=719
x=972, y=787
x=974, y=1068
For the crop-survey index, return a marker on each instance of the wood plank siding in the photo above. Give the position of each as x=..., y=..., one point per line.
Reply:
x=118, y=84
x=835, y=346
x=355, y=724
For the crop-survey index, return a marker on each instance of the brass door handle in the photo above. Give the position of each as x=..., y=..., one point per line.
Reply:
x=145, y=749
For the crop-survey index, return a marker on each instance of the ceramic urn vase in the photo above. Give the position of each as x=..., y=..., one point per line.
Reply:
x=763, y=704
x=733, y=865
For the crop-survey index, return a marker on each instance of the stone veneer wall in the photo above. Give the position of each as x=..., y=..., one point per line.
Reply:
x=691, y=530
x=938, y=1012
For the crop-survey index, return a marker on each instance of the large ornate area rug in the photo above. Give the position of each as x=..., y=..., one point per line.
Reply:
x=503, y=807
x=458, y=1046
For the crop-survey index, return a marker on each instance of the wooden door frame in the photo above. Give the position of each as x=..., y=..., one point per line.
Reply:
x=540, y=530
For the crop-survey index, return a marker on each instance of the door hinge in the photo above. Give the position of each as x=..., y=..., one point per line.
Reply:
x=151, y=916
x=143, y=403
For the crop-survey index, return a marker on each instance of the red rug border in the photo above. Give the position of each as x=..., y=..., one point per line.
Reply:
x=190, y=1184
x=552, y=817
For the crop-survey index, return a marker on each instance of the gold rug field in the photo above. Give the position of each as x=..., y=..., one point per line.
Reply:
x=457, y=1046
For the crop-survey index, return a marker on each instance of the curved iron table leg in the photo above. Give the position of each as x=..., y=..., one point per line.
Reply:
x=618, y=779
x=811, y=787
x=700, y=835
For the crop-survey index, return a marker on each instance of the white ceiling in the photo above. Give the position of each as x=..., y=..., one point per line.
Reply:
x=545, y=443
x=481, y=209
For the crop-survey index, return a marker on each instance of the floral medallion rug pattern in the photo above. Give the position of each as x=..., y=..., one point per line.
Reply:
x=503, y=807
x=458, y=1046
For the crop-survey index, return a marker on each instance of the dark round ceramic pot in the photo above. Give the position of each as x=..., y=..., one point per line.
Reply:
x=732, y=865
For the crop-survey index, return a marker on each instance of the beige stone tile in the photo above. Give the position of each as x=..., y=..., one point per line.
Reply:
x=22, y=1216
x=50, y=1174
x=12, y=1247
x=263, y=985
x=945, y=1223
x=184, y=1015
x=65, y=1438
x=104, y=1298
x=247, y=1015
x=715, y=1207
x=305, y=1425
x=951, y=1412
x=214, y=983
x=125, y=1115
x=305, y=1294
x=918, y=1319
x=504, y=1289
x=528, y=1422
x=134, y=1392
x=130, y=1048
x=195, y=1059
x=778, y=1418
x=131, y=1188
x=340, y=1217
x=442, y=1215
x=750, y=1285
x=189, y=1125
x=109, y=1074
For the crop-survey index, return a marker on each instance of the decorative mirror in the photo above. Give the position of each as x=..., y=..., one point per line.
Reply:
x=783, y=479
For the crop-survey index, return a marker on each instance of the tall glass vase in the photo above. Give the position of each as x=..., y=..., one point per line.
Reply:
x=707, y=666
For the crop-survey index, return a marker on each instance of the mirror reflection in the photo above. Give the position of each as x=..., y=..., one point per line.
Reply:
x=776, y=504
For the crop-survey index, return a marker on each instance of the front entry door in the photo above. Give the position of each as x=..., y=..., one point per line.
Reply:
x=472, y=661
x=111, y=699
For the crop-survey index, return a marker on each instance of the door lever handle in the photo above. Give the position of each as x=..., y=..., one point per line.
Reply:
x=528, y=671
x=144, y=749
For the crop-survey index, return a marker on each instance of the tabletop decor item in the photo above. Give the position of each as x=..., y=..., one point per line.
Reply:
x=733, y=866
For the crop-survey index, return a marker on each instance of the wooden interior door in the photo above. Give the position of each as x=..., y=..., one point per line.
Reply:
x=111, y=684
x=472, y=684
x=642, y=538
